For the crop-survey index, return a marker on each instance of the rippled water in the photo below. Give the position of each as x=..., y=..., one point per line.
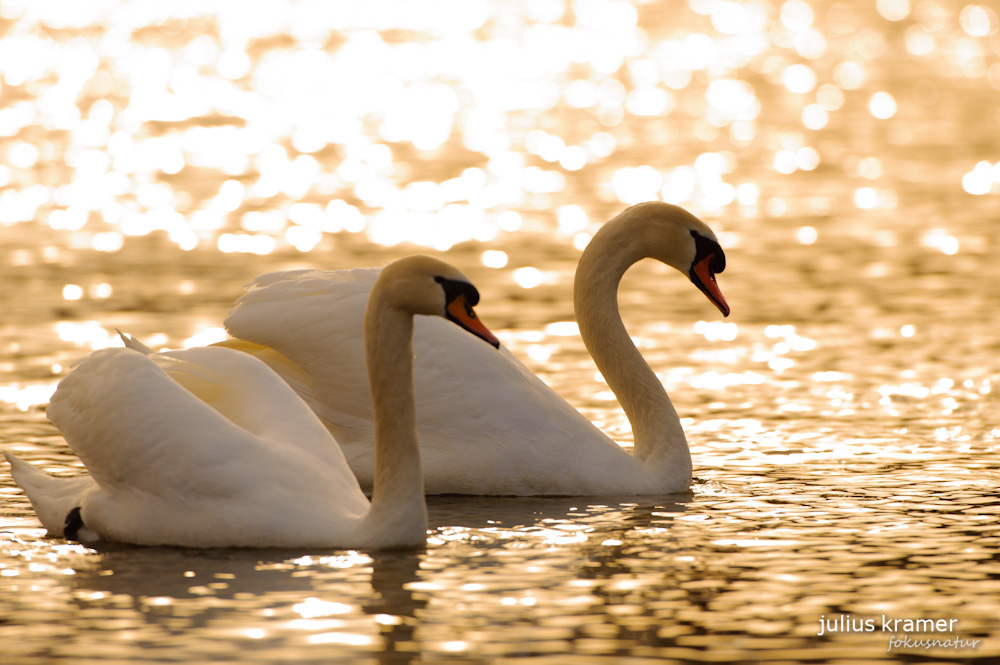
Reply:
x=843, y=422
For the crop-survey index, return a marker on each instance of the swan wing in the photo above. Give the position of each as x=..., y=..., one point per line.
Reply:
x=308, y=326
x=185, y=416
x=254, y=398
x=210, y=387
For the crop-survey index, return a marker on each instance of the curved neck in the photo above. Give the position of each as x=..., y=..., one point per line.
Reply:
x=398, y=495
x=655, y=424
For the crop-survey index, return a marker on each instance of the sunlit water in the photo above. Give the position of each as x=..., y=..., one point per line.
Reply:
x=843, y=423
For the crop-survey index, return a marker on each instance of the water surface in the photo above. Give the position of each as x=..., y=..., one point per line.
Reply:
x=842, y=421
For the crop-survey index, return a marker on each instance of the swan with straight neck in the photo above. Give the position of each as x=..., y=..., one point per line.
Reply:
x=208, y=447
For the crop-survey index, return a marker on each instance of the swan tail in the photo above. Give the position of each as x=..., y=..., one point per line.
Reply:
x=132, y=343
x=52, y=498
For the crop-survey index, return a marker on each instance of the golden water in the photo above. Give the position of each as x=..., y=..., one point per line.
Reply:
x=845, y=433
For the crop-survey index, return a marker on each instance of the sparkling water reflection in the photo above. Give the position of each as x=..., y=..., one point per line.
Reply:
x=843, y=423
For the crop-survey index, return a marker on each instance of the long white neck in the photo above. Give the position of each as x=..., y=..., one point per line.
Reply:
x=397, y=506
x=659, y=437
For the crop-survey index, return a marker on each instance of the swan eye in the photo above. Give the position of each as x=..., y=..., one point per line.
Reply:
x=454, y=288
x=704, y=248
x=460, y=311
x=459, y=297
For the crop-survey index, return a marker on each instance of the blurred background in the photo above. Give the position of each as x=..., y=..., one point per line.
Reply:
x=155, y=156
x=283, y=129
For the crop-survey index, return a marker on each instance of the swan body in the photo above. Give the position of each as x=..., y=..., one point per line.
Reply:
x=487, y=424
x=208, y=447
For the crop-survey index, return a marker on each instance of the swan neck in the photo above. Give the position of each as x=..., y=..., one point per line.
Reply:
x=398, y=491
x=656, y=426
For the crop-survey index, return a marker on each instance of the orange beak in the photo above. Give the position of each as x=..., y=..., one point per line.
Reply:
x=704, y=278
x=461, y=312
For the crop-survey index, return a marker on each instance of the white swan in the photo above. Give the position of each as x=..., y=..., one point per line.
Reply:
x=487, y=424
x=210, y=448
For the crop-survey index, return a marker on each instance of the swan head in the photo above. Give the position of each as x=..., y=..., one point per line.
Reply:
x=425, y=285
x=672, y=235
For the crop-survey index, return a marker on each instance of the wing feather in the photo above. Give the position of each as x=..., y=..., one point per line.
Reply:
x=133, y=426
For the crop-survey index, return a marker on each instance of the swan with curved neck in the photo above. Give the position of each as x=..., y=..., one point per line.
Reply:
x=494, y=427
x=208, y=447
x=667, y=234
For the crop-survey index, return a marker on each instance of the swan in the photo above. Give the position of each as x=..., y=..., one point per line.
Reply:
x=487, y=424
x=208, y=447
